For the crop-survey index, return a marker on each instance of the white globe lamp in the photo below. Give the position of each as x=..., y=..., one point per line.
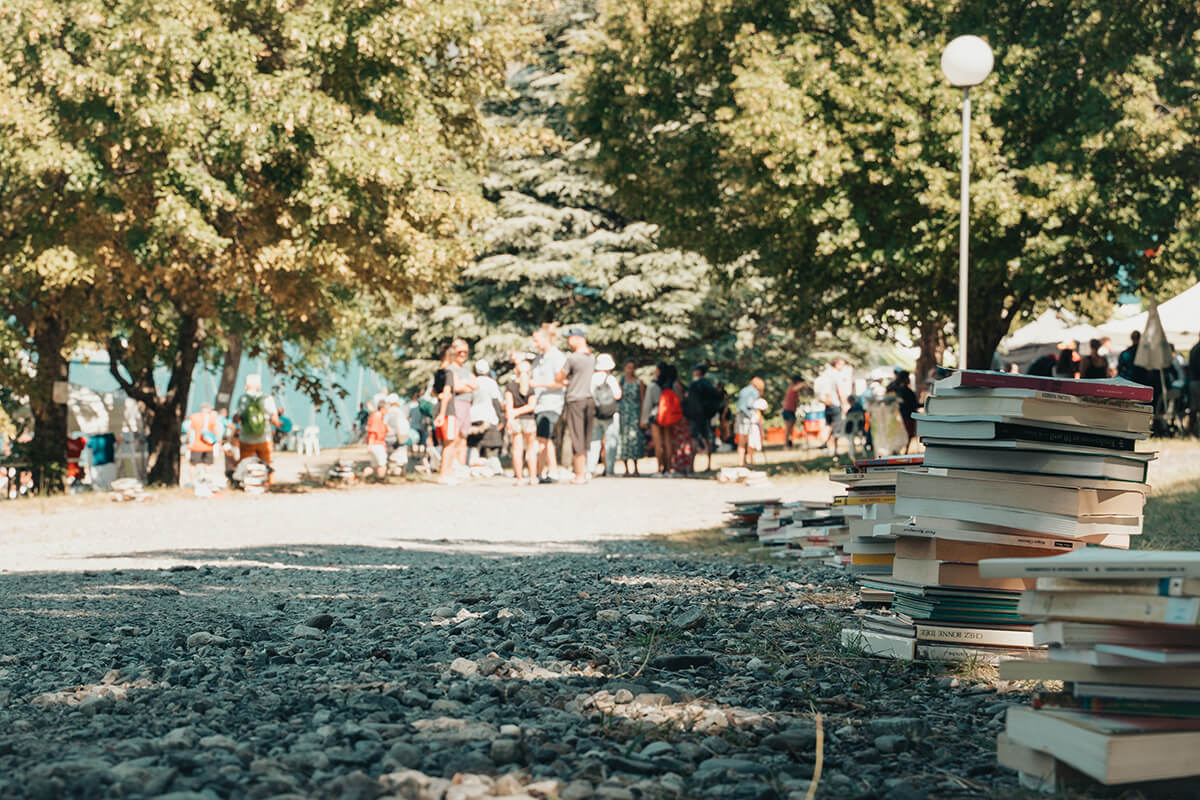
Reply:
x=967, y=61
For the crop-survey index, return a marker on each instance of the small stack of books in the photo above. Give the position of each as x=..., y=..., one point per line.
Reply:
x=1014, y=466
x=871, y=488
x=743, y=516
x=1123, y=630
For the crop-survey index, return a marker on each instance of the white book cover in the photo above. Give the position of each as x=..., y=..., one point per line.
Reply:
x=1098, y=562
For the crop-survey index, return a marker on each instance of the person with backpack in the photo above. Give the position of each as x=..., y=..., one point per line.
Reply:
x=203, y=431
x=677, y=428
x=256, y=414
x=606, y=391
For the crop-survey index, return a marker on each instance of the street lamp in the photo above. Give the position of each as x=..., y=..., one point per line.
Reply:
x=966, y=62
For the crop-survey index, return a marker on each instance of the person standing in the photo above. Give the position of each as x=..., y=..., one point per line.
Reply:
x=377, y=432
x=445, y=423
x=1193, y=370
x=902, y=388
x=487, y=405
x=701, y=404
x=579, y=414
x=606, y=391
x=519, y=402
x=204, y=431
x=396, y=418
x=464, y=393
x=255, y=417
x=680, y=432
x=834, y=388
x=648, y=419
x=746, y=414
x=547, y=365
x=632, y=445
x=791, y=402
x=1094, y=365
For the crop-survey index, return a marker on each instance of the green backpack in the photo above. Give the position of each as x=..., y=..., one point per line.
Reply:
x=254, y=416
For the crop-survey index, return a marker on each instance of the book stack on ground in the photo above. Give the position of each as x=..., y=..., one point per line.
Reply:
x=743, y=515
x=1123, y=630
x=819, y=529
x=871, y=487
x=1014, y=466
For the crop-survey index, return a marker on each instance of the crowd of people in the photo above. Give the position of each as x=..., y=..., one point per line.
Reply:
x=555, y=403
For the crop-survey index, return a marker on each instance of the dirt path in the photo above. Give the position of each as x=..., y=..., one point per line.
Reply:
x=486, y=515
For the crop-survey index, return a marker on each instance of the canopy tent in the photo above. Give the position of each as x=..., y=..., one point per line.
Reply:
x=1180, y=321
x=1043, y=335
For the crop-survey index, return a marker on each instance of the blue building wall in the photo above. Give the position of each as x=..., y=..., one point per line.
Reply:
x=361, y=383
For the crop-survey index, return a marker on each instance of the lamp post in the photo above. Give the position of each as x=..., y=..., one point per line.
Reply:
x=966, y=62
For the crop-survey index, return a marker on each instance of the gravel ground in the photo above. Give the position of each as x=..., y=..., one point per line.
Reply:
x=537, y=665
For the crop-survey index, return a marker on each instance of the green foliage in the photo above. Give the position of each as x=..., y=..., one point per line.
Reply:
x=190, y=169
x=556, y=249
x=822, y=138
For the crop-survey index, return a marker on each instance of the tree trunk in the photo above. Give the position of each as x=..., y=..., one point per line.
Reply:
x=167, y=413
x=932, y=341
x=986, y=333
x=229, y=371
x=48, y=451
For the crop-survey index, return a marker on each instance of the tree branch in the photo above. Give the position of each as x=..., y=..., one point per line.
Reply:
x=114, y=369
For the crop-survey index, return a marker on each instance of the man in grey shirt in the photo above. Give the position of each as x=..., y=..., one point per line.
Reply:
x=580, y=410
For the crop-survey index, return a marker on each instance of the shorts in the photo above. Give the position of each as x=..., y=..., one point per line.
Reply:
x=525, y=424
x=580, y=419
x=742, y=424
x=789, y=416
x=200, y=457
x=833, y=415
x=378, y=454
x=702, y=430
x=546, y=420
x=261, y=450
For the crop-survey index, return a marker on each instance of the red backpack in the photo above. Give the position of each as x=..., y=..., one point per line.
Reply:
x=670, y=410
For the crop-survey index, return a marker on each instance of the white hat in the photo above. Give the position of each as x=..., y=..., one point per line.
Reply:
x=605, y=363
x=393, y=399
x=482, y=367
x=760, y=404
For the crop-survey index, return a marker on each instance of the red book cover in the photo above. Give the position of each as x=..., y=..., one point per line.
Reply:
x=1116, y=389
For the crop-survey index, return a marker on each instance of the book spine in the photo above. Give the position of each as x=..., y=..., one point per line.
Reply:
x=1003, y=380
x=1110, y=608
x=974, y=636
x=1029, y=433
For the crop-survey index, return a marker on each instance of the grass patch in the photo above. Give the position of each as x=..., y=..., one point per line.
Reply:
x=1172, y=518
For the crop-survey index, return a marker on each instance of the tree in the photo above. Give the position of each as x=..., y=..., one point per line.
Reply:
x=821, y=139
x=556, y=249
x=261, y=166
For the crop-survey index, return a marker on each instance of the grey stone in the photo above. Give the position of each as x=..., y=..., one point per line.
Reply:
x=321, y=622
x=202, y=638
x=900, y=726
x=464, y=667
x=305, y=632
x=655, y=749
x=690, y=619
x=891, y=743
x=402, y=755
x=505, y=751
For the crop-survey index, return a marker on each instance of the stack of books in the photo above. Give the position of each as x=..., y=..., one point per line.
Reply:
x=819, y=529
x=743, y=515
x=1123, y=630
x=871, y=488
x=1014, y=466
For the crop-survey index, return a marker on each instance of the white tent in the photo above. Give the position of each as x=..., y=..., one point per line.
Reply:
x=1180, y=321
x=1052, y=327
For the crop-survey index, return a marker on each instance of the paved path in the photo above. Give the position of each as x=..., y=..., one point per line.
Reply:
x=482, y=516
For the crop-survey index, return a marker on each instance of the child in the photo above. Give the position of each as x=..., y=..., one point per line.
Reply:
x=754, y=441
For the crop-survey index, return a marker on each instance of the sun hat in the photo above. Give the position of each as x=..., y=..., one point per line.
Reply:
x=605, y=363
x=482, y=367
x=760, y=404
x=393, y=399
x=576, y=331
